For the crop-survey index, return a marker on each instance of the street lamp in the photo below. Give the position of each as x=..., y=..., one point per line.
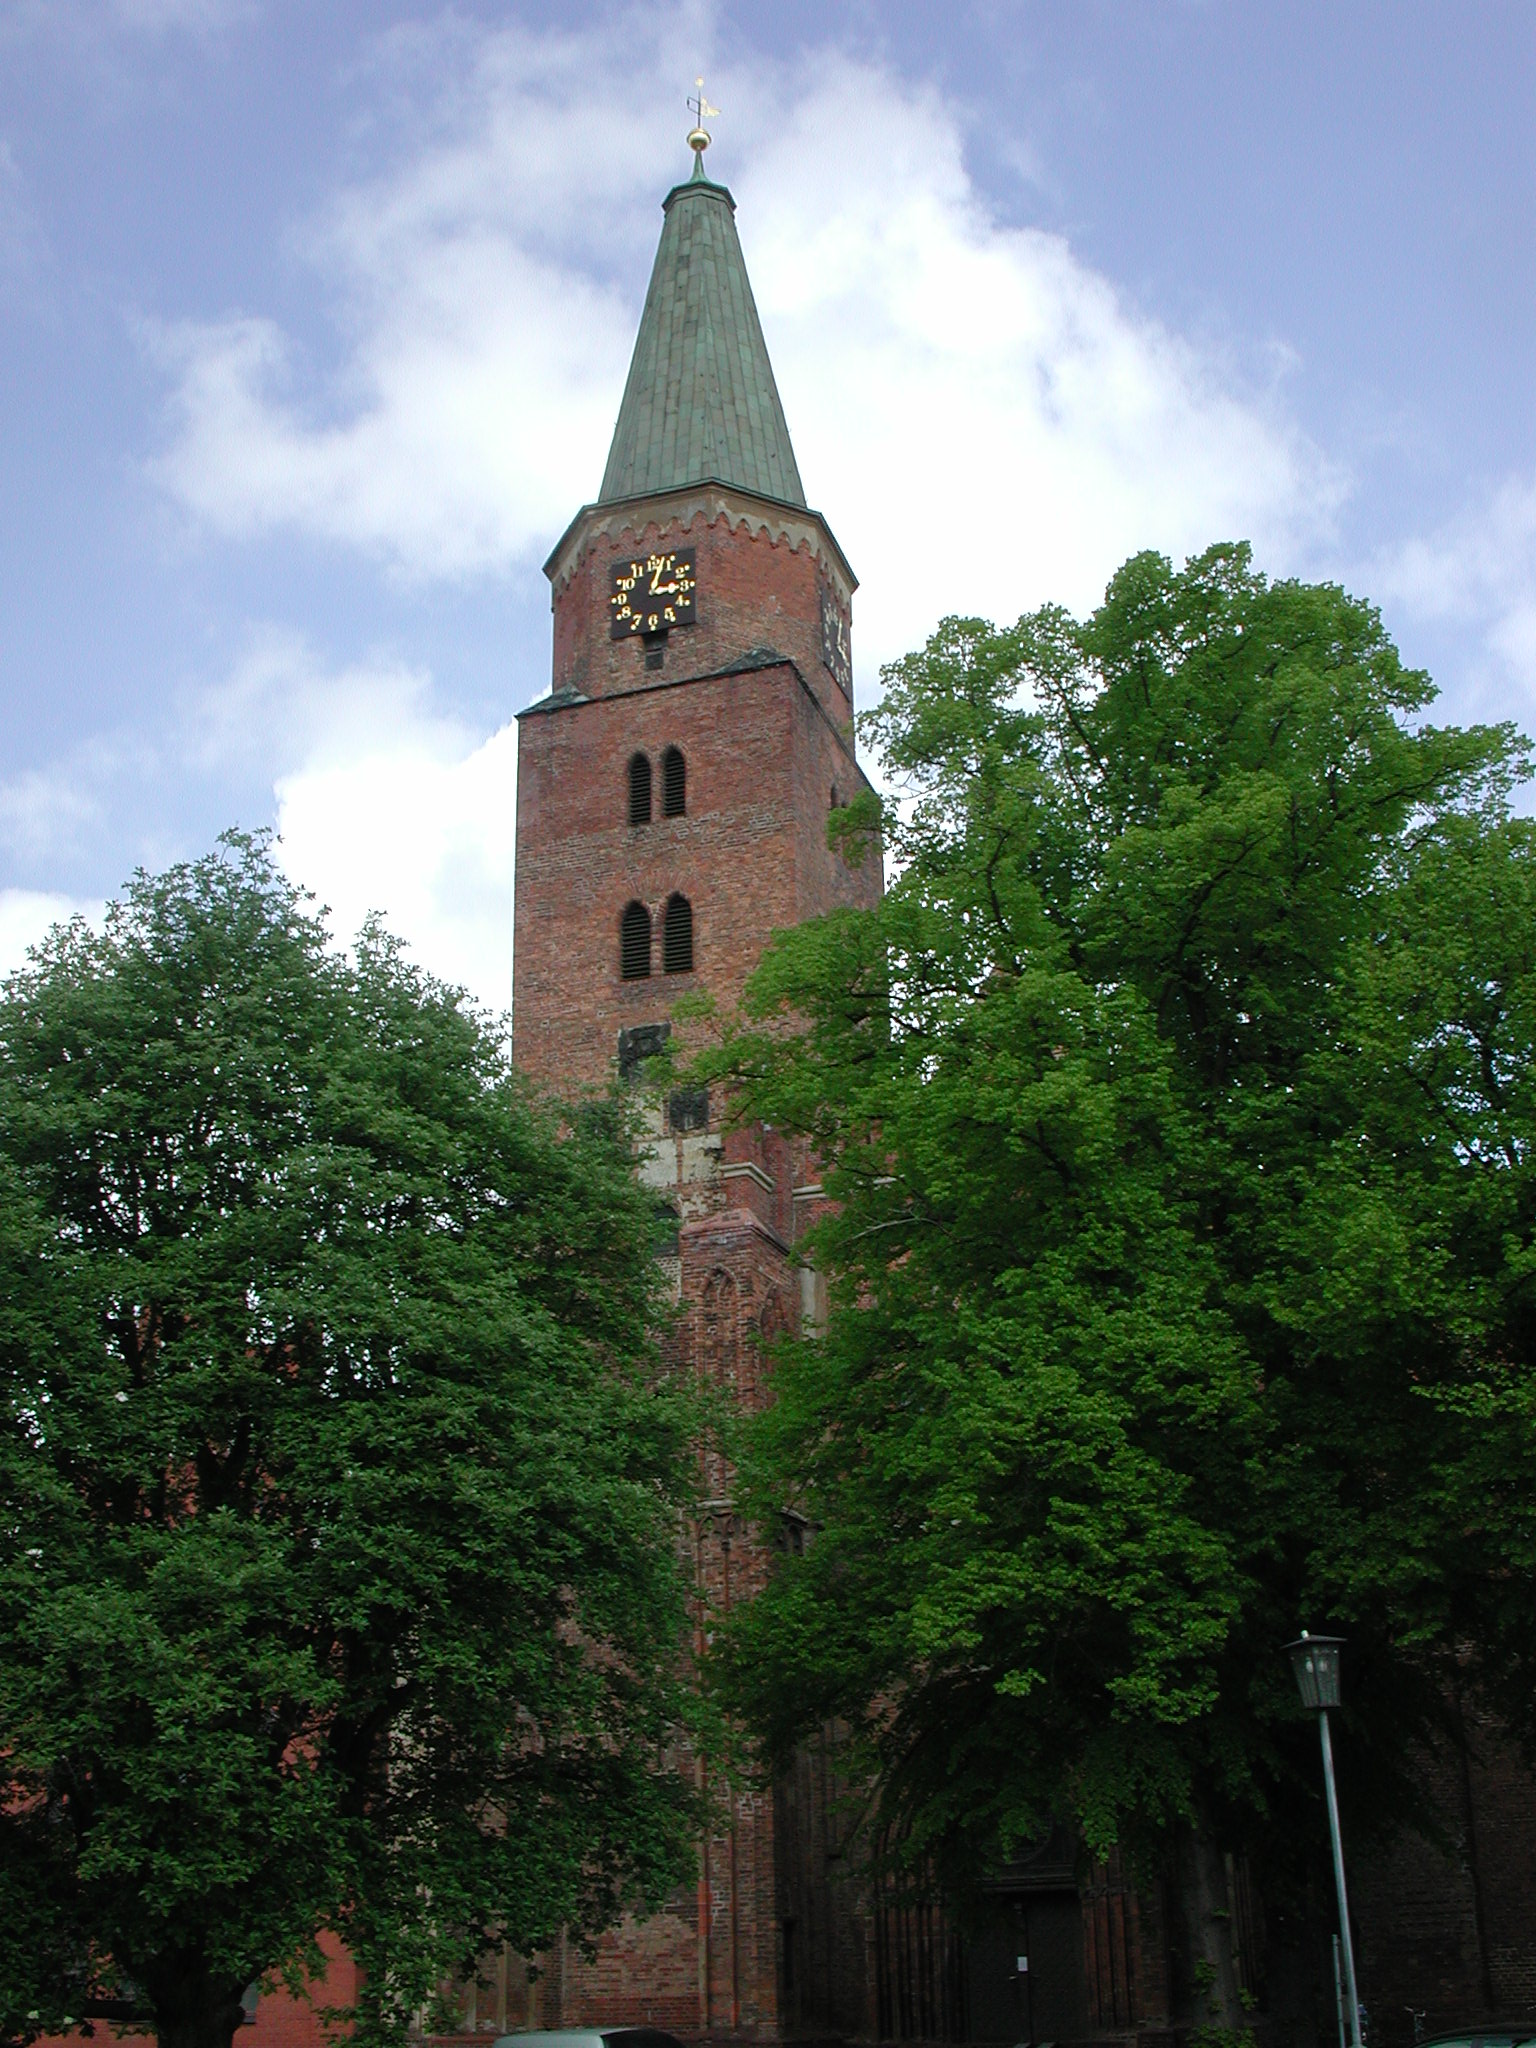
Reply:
x=1315, y=1661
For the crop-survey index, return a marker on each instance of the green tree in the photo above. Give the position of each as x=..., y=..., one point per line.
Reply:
x=1177, y=1103
x=338, y=1481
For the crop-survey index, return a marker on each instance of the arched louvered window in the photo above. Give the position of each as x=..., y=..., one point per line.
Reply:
x=639, y=789
x=635, y=942
x=677, y=936
x=674, y=784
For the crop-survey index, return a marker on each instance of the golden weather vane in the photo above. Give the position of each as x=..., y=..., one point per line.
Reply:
x=698, y=139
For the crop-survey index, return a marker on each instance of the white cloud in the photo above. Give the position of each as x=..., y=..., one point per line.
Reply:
x=28, y=915
x=1478, y=573
x=987, y=421
x=960, y=391
x=984, y=420
x=416, y=823
x=282, y=709
x=487, y=346
x=382, y=802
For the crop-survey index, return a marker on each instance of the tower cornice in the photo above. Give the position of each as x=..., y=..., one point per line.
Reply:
x=710, y=499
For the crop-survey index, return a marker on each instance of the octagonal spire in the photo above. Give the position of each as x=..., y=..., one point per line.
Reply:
x=700, y=403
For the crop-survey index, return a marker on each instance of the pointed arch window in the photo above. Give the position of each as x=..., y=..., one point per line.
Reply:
x=639, y=789
x=635, y=942
x=716, y=1353
x=720, y=1332
x=677, y=936
x=674, y=783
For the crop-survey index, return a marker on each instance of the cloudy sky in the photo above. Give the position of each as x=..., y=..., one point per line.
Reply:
x=314, y=322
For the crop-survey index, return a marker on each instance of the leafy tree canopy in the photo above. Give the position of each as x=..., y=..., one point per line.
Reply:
x=337, y=1482
x=1178, y=1104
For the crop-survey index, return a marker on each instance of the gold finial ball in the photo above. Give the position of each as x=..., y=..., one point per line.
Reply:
x=698, y=139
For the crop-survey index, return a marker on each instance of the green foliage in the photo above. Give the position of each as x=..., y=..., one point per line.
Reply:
x=1222, y=2037
x=338, y=1481
x=1177, y=1102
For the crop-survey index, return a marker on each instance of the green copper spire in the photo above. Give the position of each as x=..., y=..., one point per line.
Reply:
x=700, y=401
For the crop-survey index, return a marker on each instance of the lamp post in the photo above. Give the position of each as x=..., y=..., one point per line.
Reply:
x=1315, y=1661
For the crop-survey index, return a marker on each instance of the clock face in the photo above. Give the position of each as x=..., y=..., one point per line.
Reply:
x=834, y=642
x=651, y=593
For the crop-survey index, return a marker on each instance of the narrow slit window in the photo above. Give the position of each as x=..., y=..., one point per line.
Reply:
x=635, y=942
x=639, y=789
x=677, y=936
x=674, y=784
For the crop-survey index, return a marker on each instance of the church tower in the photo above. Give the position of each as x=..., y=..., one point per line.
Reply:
x=672, y=801
x=673, y=788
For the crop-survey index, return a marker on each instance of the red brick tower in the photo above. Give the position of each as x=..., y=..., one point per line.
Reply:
x=699, y=725
x=672, y=801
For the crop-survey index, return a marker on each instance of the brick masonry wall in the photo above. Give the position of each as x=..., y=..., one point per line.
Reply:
x=1124, y=1952
x=828, y=1964
x=760, y=753
x=285, y=2021
x=761, y=577
x=765, y=738
x=765, y=749
x=1449, y=1926
x=282, y=2020
x=710, y=1964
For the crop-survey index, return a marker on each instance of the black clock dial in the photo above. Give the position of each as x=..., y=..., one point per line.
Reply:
x=834, y=642
x=651, y=593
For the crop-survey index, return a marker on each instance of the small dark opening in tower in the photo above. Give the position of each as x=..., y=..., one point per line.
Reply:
x=655, y=656
x=639, y=1043
x=688, y=1109
x=639, y=789
x=635, y=941
x=677, y=936
x=674, y=784
x=668, y=1225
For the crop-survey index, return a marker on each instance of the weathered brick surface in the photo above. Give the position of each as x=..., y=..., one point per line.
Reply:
x=781, y=1938
x=762, y=570
x=763, y=728
x=750, y=855
x=282, y=2019
x=710, y=1964
x=285, y=2021
x=1124, y=1953
x=1448, y=1926
x=829, y=1965
x=745, y=855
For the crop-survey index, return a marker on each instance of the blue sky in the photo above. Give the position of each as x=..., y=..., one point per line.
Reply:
x=314, y=321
